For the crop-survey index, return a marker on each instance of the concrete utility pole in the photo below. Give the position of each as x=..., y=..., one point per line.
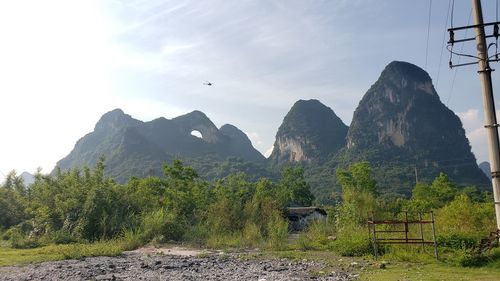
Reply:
x=488, y=104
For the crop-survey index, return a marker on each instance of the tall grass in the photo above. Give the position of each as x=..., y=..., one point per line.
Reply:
x=277, y=231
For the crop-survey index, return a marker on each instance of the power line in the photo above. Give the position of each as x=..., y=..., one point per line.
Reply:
x=443, y=44
x=428, y=34
x=458, y=62
x=452, y=11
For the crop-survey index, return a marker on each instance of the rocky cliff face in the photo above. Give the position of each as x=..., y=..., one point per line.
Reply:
x=401, y=124
x=310, y=133
x=136, y=148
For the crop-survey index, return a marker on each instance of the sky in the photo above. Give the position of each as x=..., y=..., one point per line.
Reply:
x=64, y=63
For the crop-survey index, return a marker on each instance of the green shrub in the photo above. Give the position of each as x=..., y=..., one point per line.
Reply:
x=17, y=239
x=277, y=231
x=251, y=235
x=62, y=237
x=131, y=239
x=468, y=258
x=471, y=260
x=197, y=233
x=457, y=241
x=304, y=243
x=465, y=217
x=161, y=226
x=318, y=236
x=352, y=241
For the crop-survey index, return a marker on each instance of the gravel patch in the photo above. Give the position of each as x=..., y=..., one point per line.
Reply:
x=139, y=266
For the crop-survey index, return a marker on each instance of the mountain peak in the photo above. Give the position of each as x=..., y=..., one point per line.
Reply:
x=310, y=132
x=310, y=102
x=115, y=119
x=407, y=69
x=401, y=120
x=405, y=78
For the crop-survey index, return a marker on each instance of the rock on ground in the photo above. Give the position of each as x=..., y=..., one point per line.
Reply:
x=138, y=266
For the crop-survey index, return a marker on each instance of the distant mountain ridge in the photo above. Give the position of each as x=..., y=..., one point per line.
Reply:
x=485, y=167
x=400, y=126
x=28, y=178
x=132, y=147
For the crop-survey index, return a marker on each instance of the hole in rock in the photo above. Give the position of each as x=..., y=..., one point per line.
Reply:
x=196, y=134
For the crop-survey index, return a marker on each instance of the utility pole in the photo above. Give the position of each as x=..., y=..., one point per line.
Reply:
x=483, y=60
x=488, y=103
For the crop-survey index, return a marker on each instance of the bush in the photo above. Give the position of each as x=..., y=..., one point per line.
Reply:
x=131, y=239
x=251, y=235
x=457, y=241
x=317, y=236
x=62, y=237
x=17, y=239
x=197, y=233
x=471, y=260
x=352, y=241
x=465, y=217
x=161, y=226
x=277, y=231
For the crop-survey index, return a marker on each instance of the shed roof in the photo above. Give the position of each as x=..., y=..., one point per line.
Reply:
x=304, y=211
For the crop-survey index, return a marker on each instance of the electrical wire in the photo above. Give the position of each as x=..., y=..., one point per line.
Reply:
x=452, y=11
x=461, y=54
x=443, y=44
x=451, y=53
x=428, y=34
x=451, y=26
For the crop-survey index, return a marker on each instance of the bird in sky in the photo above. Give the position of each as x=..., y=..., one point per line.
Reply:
x=208, y=83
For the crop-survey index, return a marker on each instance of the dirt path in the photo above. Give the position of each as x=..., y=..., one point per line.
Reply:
x=173, y=263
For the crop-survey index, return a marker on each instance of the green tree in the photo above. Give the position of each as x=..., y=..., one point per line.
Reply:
x=185, y=196
x=462, y=216
x=226, y=214
x=358, y=190
x=443, y=189
x=434, y=196
x=12, y=208
x=295, y=186
x=266, y=202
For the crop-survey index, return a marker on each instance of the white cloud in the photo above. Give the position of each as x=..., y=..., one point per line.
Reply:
x=254, y=138
x=173, y=48
x=269, y=151
x=473, y=123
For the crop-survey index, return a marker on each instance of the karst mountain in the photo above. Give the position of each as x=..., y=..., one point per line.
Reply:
x=135, y=148
x=310, y=133
x=400, y=126
x=403, y=128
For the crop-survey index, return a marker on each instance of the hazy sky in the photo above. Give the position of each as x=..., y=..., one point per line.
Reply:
x=65, y=63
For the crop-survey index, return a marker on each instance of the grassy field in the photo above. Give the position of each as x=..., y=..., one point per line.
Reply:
x=10, y=256
x=430, y=272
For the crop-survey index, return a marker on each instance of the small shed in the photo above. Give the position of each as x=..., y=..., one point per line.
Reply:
x=301, y=217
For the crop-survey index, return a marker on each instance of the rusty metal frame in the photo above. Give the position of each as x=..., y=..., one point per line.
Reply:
x=376, y=241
